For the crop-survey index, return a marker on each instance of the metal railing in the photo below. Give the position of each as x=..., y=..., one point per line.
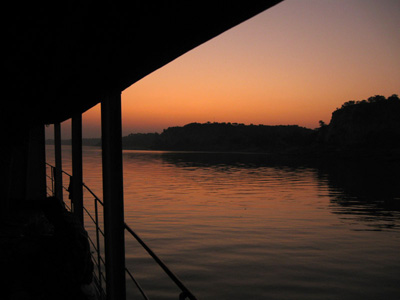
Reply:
x=99, y=261
x=97, y=258
x=185, y=293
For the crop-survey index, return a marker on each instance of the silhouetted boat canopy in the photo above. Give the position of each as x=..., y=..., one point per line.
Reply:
x=61, y=59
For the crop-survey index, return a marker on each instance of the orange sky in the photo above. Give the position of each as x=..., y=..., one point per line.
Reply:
x=292, y=64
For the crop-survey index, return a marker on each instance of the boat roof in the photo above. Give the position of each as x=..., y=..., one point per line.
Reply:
x=63, y=58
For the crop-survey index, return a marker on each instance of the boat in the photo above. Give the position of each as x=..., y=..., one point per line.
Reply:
x=61, y=60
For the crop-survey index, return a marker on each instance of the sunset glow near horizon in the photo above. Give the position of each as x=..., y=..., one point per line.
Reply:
x=293, y=64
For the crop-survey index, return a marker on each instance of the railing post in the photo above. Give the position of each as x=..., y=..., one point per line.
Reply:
x=52, y=180
x=77, y=178
x=96, y=211
x=58, y=165
x=111, y=130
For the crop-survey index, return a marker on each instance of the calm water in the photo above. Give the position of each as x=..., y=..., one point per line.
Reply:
x=241, y=226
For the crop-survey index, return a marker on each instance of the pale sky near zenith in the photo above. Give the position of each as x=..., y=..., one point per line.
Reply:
x=294, y=63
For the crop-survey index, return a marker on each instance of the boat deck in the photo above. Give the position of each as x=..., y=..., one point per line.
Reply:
x=34, y=261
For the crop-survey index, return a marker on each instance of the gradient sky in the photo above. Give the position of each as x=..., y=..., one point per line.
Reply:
x=292, y=64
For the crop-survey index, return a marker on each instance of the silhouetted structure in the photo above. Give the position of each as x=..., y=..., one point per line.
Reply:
x=62, y=59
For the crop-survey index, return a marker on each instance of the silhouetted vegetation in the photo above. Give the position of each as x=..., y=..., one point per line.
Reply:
x=223, y=137
x=372, y=123
x=355, y=127
x=141, y=141
x=373, y=99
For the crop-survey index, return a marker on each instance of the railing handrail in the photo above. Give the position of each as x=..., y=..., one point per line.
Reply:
x=171, y=275
x=93, y=194
x=99, y=261
x=83, y=184
x=185, y=293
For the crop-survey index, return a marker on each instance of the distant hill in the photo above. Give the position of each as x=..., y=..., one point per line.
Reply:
x=369, y=126
x=371, y=123
x=141, y=141
x=223, y=137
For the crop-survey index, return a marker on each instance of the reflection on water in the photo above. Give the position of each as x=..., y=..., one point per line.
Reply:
x=368, y=193
x=368, y=190
x=252, y=226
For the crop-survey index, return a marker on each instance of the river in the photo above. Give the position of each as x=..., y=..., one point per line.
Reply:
x=246, y=226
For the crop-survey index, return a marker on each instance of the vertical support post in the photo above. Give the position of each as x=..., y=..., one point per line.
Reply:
x=111, y=131
x=36, y=164
x=57, y=155
x=96, y=213
x=77, y=177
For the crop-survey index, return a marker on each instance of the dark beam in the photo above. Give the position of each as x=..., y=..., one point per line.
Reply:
x=77, y=177
x=111, y=131
x=58, y=160
x=36, y=165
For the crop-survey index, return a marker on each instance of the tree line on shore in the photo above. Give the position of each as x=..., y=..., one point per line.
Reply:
x=370, y=123
x=374, y=122
x=222, y=137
